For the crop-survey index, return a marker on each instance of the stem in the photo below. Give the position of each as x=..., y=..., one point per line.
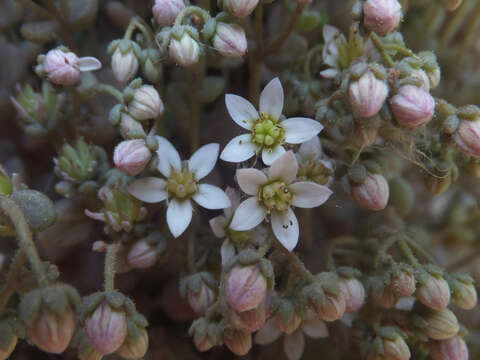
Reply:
x=458, y=20
x=419, y=250
x=306, y=218
x=24, y=237
x=109, y=89
x=381, y=48
x=195, y=110
x=294, y=261
x=400, y=49
x=256, y=59
x=308, y=60
x=408, y=252
x=138, y=23
x=12, y=278
x=191, y=252
x=110, y=260
x=192, y=10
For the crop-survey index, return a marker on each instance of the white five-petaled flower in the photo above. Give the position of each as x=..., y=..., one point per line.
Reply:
x=181, y=184
x=268, y=129
x=273, y=195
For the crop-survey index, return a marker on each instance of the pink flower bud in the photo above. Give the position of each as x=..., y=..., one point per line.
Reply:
x=290, y=325
x=467, y=137
x=61, y=67
x=393, y=349
x=412, y=106
x=354, y=294
x=251, y=320
x=385, y=297
x=450, y=349
x=200, y=301
x=106, y=329
x=382, y=16
x=403, y=284
x=52, y=332
x=239, y=342
x=185, y=51
x=245, y=287
x=373, y=194
x=441, y=325
x=142, y=255
x=131, y=156
x=146, y=103
x=433, y=291
x=240, y=8
x=367, y=95
x=333, y=308
x=166, y=11
x=230, y=40
x=134, y=348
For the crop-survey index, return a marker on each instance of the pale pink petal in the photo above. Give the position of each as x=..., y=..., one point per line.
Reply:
x=248, y=215
x=329, y=32
x=285, y=168
x=211, y=197
x=315, y=328
x=268, y=333
x=250, y=180
x=168, y=157
x=235, y=198
x=300, y=129
x=239, y=149
x=329, y=73
x=218, y=225
x=227, y=251
x=149, y=189
x=179, y=215
x=269, y=156
x=294, y=345
x=203, y=160
x=308, y=194
x=310, y=150
x=241, y=110
x=285, y=228
x=89, y=63
x=95, y=215
x=271, y=99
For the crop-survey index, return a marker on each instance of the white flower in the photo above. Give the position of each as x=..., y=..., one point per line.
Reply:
x=332, y=38
x=313, y=164
x=268, y=130
x=273, y=195
x=294, y=343
x=181, y=184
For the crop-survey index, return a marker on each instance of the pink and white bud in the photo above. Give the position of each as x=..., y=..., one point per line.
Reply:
x=290, y=325
x=142, y=255
x=251, y=320
x=106, y=329
x=134, y=348
x=450, y=349
x=331, y=308
x=146, y=103
x=240, y=8
x=433, y=291
x=393, y=349
x=367, y=95
x=131, y=156
x=467, y=137
x=421, y=75
x=185, y=52
x=166, y=11
x=373, y=194
x=245, y=287
x=124, y=65
x=201, y=300
x=382, y=16
x=441, y=324
x=238, y=342
x=61, y=67
x=354, y=294
x=412, y=106
x=230, y=40
x=403, y=284
x=385, y=297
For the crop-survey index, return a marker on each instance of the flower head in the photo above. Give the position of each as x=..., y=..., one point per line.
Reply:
x=268, y=130
x=382, y=16
x=273, y=195
x=181, y=184
x=412, y=106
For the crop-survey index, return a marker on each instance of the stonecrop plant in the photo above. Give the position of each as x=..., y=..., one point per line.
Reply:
x=200, y=179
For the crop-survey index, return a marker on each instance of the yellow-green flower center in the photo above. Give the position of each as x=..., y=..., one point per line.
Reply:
x=314, y=171
x=181, y=184
x=275, y=196
x=267, y=132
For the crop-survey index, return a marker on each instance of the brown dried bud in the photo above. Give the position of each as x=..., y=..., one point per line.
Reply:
x=239, y=342
x=450, y=349
x=245, y=287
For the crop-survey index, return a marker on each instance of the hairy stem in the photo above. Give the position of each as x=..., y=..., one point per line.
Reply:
x=408, y=252
x=294, y=260
x=381, y=48
x=110, y=261
x=110, y=90
x=256, y=59
x=12, y=277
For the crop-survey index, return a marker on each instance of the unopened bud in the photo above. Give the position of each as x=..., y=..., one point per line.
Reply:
x=433, y=291
x=142, y=255
x=251, y=320
x=134, y=347
x=125, y=55
x=230, y=40
x=61, y=67
x=450, y=349
x=354, y=294
x=467, y=137
x=240, y=8
x=6, y=351
x=412, y=106
x=146, y=103
x=185, y=51
x=245, y=287
x=326, y=297
x=464, y=294
x=422, y=76
x=441, y=324
x=201, y=300
x=205, y=334
x=382, y=16
x=166, y=11
x=239, y=342
x=403, y=283
x=131, y=156
x=367, y=95
x=131, y=128
x=393, y=347
x=373, y=194
x=288, y=322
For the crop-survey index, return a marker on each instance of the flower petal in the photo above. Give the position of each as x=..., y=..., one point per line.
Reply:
x=89, y=63
x=241, y=110
x=311, y=149
x=168, y=157
x=149, y=189
x=329, y=32
x=248, y=215
x=271, y=99
x=211, y=197
x=308, y=194
x=294, y=345
x=250, y=180
x=218, y=224
x=315, y=328
x=239, y=149
x=227, y=251
x=268, y=157
x=285, y=228
x=235, y=198
x=300, y=129
x=203, y=160
x=329, y=73
x=179, y=215
x=285, y=168
x=268, y=333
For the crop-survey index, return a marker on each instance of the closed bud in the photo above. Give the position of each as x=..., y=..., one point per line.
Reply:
x=146, y=103
x=245, y=287
x=422, y=77
x=364, y=136
x=382, y=16
x=367, y=95
x=125, y=55
x=166, y=11
x=135, y=346
x=142, y=255
x=464, y=294
x=433, y=291
x=131, y=156
x=326, y=298
x=205, y=334
x=200, y=300
x=403, y=283
x=288, y=324
x=230, y=40
x=240, y=8
x=184, y=51
x=467, y=137
x=450, y=349
x=412, y=106
x=441, y=324
x=354, y=294
x=383, y=293
x=250, y=320
x=373, y=194
x=61, y=67
x=393, y=347
x=131, y=128
x=239, y=342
